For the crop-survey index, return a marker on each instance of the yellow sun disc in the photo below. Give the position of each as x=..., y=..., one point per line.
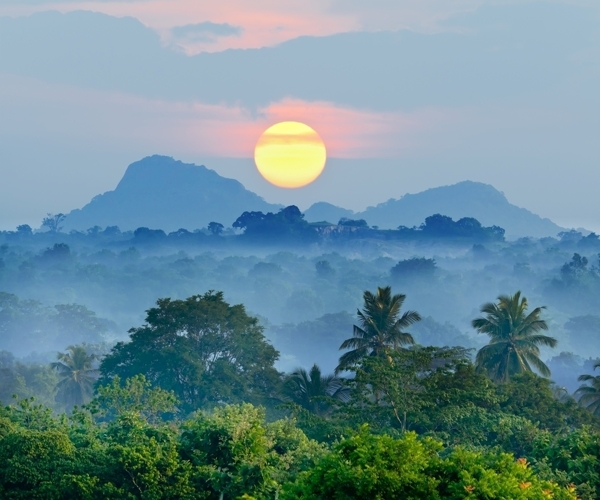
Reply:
x=290, y=155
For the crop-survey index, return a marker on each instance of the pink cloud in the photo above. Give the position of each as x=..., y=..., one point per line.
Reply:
x=347, y=133
x=269, y=22
x=352, y=133
x=264, y=22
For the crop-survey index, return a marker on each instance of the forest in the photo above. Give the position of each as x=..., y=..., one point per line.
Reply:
x=281, y=359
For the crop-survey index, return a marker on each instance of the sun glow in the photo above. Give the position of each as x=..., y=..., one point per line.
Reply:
x=290, y=155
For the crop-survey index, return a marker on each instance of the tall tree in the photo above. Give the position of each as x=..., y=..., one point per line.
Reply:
x=77, y=376
x=201, y=348
x=589, y=395
x=53, y=222
x=314, y=391
x=381, y=327
x=514, y=338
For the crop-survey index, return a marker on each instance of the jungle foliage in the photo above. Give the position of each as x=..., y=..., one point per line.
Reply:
x=233, y=452
x=192, y=407
x=205, y=399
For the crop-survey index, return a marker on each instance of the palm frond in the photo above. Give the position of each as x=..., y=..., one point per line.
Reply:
x=543, y=340
x=538, y=364
x=350, y=359
x=355, y=343
x=408, y=318
x=400, y=338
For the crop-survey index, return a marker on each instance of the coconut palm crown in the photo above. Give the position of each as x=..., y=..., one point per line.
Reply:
x=77, y=376
x=380, y=328
x=314, y=391
x=589, y=395
x=514, y=338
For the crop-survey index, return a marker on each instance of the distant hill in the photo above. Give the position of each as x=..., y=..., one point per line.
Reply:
x=323, y=211
x=465, y=199
x=160, y=192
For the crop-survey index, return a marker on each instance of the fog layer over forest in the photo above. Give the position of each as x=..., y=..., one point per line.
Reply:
x=303, y=281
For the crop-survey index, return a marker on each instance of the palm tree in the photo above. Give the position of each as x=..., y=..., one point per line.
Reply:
x=514, y=338
x=380, y=328
x=589, y=395
x=561, y=394
x=77, y=376
x=313, y=391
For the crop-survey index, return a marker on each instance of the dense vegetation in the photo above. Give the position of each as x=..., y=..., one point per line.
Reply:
x=233, y=452
x=302, y=293
x=193, y=407
x=428, y=398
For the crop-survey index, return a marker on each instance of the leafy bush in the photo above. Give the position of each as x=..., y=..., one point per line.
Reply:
x=381, y=467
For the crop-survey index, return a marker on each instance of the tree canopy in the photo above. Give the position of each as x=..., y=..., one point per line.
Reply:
x=286, y=225
x=201, y=348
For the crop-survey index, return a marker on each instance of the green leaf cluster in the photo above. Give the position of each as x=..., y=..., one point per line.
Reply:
x=224, y=454
x=380, y=467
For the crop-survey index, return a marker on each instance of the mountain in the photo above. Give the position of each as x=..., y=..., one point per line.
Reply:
x=161, y=193
x=465, y=199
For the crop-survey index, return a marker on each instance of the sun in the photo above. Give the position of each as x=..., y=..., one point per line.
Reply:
x=290, y=155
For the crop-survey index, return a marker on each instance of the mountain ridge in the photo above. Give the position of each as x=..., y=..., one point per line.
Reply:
x=160, y=192
x=463, y=199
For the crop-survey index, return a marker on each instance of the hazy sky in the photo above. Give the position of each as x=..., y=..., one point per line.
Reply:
x=406, y=95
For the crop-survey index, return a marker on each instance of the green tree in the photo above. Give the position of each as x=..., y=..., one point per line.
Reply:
x=386, y=390
x=26, y=380
x=314, y=391
x=460, y=405
x=381, y=467
x=77, y=376
x=514, y=338
x=139, y=460
x=589, y=394
x=202, y=349
x=233, y=452
x=571, y=457
x=381, y=327
x=369, y=466
x=135, y=396
x=34, y=462
x=531, y=396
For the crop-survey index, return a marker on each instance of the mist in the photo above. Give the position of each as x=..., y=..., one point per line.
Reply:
x=93, y=286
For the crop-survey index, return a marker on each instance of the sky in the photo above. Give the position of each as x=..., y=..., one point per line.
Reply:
x=406, y=94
